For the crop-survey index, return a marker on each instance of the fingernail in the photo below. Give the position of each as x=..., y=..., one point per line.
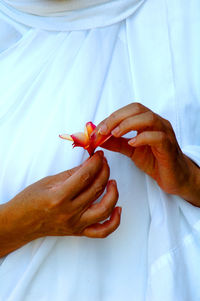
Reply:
x=132, y=141
x=119, y=210
x=113, y=182
x=103, y=129
x=115, y=131
x=101, y=153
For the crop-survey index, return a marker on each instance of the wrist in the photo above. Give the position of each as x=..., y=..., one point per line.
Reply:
x=14, y=232
x=190, y=191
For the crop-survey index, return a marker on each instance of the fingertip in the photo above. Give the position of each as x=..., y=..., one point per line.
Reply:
x=132, y=142
x=112, y=182
x=111, y=185
x=103, y=129
x=99, y=156
x=116, y=214
x=119, y=210
x=99, y=153
x=115, y=218
x=116, y=132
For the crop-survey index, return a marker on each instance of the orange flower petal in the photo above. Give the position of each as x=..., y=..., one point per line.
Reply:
x=97, y=139
x=66, y=137
x=90, y=127
x=89, y=140
x=80, y=139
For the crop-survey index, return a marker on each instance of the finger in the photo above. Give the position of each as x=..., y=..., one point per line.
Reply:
x=139, y=122
x=64, y=175
x=91, y=193
x=119, y=145
x=83, y=177
x=102, y=210
x=103, y=230
x=158, y=139
x=55, y=182
x=108, y=124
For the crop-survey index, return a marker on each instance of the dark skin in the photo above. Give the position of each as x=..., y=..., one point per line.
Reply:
x=62, y=204
x=154, y=150
x=68, y=198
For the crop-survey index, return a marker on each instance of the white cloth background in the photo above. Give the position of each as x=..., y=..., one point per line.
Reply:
x=52, y=82
x=69, y=15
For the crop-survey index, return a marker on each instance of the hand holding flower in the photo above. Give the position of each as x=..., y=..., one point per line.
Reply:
x=62, y=204
x=154, y=150
x=89, y=140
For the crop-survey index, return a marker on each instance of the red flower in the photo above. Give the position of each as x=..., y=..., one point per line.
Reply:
x=89, y=140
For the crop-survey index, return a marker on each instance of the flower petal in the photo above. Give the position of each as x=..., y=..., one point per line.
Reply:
x=66, y=137
x=80, y=139
x=89, y=140
x=90, y=127
x=97, y=139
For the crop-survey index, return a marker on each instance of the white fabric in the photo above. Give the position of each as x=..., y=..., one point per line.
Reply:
x=52, y=82
x=67, y=15
x=45, y=7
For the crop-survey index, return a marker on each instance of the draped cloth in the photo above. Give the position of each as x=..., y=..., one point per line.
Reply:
x=53, y=79
x=69, y=14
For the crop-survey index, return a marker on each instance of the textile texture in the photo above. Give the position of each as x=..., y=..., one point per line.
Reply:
x=54, y=80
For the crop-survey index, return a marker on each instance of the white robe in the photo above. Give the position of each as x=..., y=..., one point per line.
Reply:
x=54, y=79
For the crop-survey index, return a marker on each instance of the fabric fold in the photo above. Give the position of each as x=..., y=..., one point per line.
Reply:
x=91, y=15
x=49, y=75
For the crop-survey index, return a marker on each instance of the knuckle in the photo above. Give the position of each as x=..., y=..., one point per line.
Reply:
x=144, y=136
x=47, y=181
x=163, y=137
x=152, y=117
x=51, y=204
x=168, y=123
x=169, y=128
x=113, y=116
x=99, y=189
x=69, y=173
x=164, y=140
x=85, y=178
x=137, y=107
x=105, y=211
x=53, y=201
x=125, y=124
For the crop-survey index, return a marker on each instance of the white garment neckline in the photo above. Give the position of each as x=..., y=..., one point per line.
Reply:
x=63, y=16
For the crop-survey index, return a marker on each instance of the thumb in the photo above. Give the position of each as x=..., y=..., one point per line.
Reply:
x=64, y=175
x=119, y=145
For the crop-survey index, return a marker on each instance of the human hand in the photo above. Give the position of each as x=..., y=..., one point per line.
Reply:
x=63, y=205
x=154, y=150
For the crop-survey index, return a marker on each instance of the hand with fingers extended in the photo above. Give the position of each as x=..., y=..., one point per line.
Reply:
x=62, y=204
x=154, y=149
